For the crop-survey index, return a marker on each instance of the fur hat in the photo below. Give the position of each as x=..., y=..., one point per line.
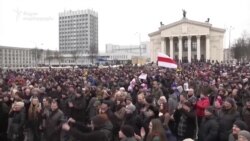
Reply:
x=245, y=134
x=128, y=131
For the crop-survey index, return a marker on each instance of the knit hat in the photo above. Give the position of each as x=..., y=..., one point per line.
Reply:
x=128, y=131
x=241, y=124
x=231, y=101
x=211, y=110
x=245, y=134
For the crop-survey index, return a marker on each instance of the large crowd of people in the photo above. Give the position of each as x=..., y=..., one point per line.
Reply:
x=198, y=101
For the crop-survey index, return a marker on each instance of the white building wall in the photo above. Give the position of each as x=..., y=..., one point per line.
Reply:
x=133, y=50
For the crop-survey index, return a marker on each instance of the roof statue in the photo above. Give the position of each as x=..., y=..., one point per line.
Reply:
x=161, y=24
x=184, y=12
x=208, y=19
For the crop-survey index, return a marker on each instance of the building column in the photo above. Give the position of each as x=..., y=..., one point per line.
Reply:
x=207, y=48
x=163, y=45
x=180, y=48
x=198, y=47
x=171, y=54
x=189, y=49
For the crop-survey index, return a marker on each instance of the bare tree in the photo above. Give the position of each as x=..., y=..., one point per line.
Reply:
x=59, y=57
x=75, y=54
x=49, y=55
x=241, y=48
x=36, y=54
x=93, y=51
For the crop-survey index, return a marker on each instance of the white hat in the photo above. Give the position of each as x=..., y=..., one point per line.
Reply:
x=122, y=89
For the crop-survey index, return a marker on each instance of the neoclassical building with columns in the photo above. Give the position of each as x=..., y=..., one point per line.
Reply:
x=187, y=40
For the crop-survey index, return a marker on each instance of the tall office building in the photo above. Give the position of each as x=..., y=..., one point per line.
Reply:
x=78, y=31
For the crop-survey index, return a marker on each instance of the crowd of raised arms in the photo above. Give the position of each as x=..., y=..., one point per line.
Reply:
x=198, y=101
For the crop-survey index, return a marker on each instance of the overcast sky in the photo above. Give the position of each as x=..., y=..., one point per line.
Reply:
x=29, y=23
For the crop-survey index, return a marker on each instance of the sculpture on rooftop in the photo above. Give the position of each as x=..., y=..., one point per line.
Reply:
x=184, y=12
x=161, y=24
x=208, y=19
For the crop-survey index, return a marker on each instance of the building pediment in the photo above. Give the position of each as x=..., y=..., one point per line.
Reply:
x=186, y=27
x=185, y=21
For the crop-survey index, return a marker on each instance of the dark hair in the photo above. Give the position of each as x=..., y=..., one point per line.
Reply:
x=149, y=99
x=99, y=120
x=48, y=99
x=157, y=131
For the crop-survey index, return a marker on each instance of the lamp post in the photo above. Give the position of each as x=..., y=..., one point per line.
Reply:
x=229, y=41
x=229, y=30
x=36, y=53
x=139, y=37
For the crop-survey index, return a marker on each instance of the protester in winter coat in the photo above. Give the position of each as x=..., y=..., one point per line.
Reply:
x=156, y=131
x=132, y=119
x=201, y=105
x=227, y=116
x=4, y=110
x=101, y=130
x=185, y=119
x=16, y=127
x=237, y=127
x=246, y=113
x=53, y=123
x=35, y=119
x=209, y=128
x=77, y=106
x=156, y=92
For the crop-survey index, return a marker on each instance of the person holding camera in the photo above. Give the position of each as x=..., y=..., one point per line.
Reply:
x=99, y=130
x=16, y=127
x=53, y=122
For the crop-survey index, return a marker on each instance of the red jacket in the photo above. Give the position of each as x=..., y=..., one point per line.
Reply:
x=201, y=105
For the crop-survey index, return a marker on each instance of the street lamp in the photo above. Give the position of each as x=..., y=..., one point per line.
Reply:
x=229, y=30
x=36, y=49
x=139, y=37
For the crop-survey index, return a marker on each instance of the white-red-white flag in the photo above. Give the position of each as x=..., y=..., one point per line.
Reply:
x=165, y=61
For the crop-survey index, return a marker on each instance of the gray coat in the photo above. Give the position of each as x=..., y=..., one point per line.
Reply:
x=231, y=137
x=53, y=125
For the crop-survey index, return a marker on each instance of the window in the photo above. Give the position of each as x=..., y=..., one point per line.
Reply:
x=185, y=45
x=176, y=46
x=194, y=46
